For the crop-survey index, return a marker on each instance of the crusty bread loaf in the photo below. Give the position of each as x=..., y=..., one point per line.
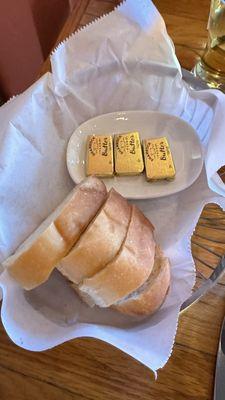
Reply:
x=129, y=269
x=103, y=245
x=35, y=259
x=150, y=296
x=100, y=242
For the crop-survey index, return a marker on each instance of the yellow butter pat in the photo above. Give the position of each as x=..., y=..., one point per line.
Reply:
x=158, y=159
x=128, y=154
x=99, y=160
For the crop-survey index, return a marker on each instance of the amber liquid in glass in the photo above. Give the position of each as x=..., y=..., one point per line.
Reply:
x=211, y=67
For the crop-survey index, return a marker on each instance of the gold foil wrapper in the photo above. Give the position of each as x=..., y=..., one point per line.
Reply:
x=128, y=154
x=158, y=159
x=99, y=160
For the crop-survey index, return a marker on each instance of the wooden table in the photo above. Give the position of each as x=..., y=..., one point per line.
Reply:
x=89, y=369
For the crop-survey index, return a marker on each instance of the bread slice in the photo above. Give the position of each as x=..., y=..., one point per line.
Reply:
x=128, y=270
x=35, y=259
x=150, y=296
x=100, y=242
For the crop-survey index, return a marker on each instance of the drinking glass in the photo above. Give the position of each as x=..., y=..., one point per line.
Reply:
x=211, y=67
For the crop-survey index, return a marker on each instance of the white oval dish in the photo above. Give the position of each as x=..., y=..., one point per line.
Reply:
x=183, y=140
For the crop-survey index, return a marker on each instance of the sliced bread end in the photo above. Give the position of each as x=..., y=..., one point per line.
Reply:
x=150, y=296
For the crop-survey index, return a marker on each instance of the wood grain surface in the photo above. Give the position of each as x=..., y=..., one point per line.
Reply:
x=89, y=369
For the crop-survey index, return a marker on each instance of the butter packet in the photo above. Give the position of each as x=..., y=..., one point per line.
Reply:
x=158, y=159
x=128, y=154
x=99, y=157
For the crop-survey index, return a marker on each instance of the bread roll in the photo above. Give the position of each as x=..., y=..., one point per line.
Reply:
x=35, y=259
x=150, y=296
x=128, y=270
x=101, y=241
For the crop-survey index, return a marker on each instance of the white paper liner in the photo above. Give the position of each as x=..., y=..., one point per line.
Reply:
x=124, y=61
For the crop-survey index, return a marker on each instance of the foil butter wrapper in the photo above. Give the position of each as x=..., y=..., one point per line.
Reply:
x=99, y=159
x=158, y=159
x=128, y=154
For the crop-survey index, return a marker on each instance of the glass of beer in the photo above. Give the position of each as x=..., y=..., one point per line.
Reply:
x=211, y=67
